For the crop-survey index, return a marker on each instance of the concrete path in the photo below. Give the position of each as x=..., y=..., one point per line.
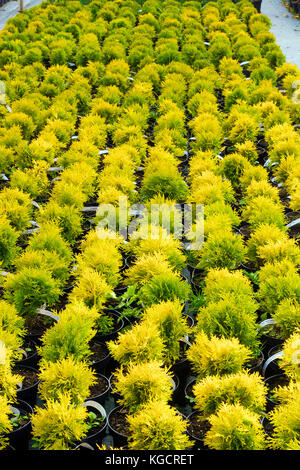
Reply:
x=285, y=28
x=10, y=9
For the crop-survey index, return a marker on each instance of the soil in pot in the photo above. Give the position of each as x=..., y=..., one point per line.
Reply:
x=97, y=426
x=116, y=327
x=37, y=326
x=270, y=337
x=255, y=364
x=19, y=437
x=30, y=383
x=31, y=358
x=99, y=357
x=189, y=394
x=197, y=428
x=99, y=391
x=118, y=425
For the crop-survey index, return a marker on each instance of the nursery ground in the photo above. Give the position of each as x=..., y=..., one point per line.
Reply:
x=285, y=27
x=10, y=9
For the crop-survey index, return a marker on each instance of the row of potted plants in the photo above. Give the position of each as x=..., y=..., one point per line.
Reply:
x=154, y=103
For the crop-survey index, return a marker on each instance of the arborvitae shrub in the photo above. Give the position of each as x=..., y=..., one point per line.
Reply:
x=92, y=288
x=278, y=281
x=241, y=388
x=285, y=421
x=163, y=287
x=68, y=377
x=220, y=282
x=287, y=317
x=216, y=356
x=147, y=266
x=232, y=167
x=140, y=344
x=171, y=324
x=60, y=425
x=29, y=289
x=222, y=249
x=157, y=426
x=5, y=422
x=8, y=242
x=235, y=427
x=16, y=205
x=290, y=361
x=70, y=336
x=143, y=383
x=233, y=316
x=262, y=209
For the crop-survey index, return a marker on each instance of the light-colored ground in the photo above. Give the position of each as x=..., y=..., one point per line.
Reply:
x=10, y=9
x=285, y=28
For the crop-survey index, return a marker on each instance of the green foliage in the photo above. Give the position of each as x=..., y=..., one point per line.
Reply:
x=287, y=317
x=60, y=425
x=217, y=356
x=29, y=289
x=5, y=423
x=164, y=287
x=157, y=426
x=234, y=427
x=141, y=344
x=71, y=335
x=233, y=316
x=285, y=421
x=278, y=281
x=171, y=324
x=143, y=383
x=68, y=377
x=243, y=389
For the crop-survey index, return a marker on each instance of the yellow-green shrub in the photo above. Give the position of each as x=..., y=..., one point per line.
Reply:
x=157, y=426
x=245, y=389
x=143, y=383
x=217, y=356
x=235, y=427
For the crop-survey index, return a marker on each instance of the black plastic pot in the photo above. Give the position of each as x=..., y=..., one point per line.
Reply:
x=113, y=334
x=120, y=440
x=181, y=368
x=102, y=397
x=268, y=341
x=191, y=381
x=97, y=437
x=100, y=366
x=259, y=365
x=257, y=5
x=278, y=379
x=29, y=358
x=198, y=443
x=19, y=439
x=271, y=366
x=28, y=394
